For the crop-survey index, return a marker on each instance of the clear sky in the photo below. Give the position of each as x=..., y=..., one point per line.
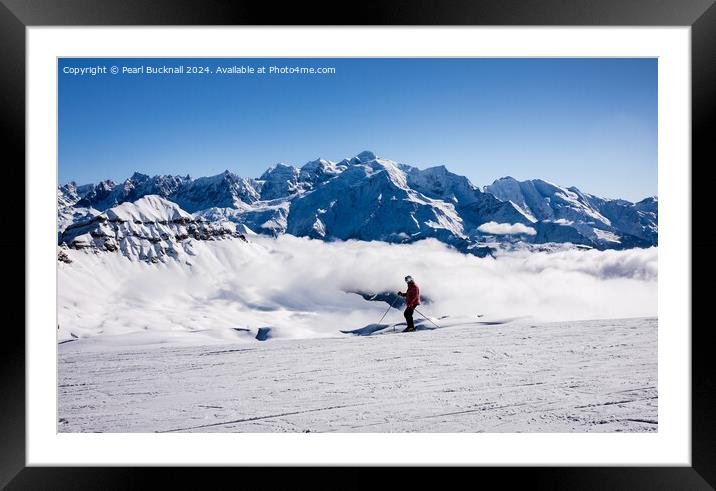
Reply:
x=590, y=123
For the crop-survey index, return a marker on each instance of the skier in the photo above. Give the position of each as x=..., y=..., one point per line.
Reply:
x=412, y=300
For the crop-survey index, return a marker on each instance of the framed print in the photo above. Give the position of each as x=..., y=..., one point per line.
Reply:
x=434, y=237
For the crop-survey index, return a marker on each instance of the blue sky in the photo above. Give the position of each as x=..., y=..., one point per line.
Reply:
x=590, y=123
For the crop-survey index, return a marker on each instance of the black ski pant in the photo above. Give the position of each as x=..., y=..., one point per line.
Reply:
x=409, y=317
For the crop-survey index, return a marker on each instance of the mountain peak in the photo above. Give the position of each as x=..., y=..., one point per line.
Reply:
x=313, y=164
x=138, y=176
x=280, y=166
x=279, y=170
x=150, y=229
x=437, y=169
x=147, y=208
x=366, y=156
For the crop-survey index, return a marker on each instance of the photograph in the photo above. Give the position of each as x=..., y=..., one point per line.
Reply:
x=357, y=245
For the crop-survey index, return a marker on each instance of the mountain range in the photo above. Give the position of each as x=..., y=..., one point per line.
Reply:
x=364, y=197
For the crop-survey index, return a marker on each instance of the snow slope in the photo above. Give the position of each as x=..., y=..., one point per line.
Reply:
x=578, y=376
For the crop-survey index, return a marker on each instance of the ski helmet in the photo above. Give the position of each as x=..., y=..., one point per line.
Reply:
x=408, y=279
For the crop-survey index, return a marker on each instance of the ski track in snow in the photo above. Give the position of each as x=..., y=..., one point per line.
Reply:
x=583, y=376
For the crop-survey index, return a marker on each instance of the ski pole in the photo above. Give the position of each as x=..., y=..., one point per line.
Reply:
x=427, y=318
x=386, y=312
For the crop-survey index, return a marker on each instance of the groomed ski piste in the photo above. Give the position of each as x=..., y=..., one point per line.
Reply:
x=269, y=335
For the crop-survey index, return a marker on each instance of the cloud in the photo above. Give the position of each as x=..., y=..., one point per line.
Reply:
x=506, y=228
x=561, y=221
x=298, y=287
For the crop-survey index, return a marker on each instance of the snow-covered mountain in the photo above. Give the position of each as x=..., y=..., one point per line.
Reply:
x=226, y=189
x=151, y=228
x=68, y=209
x=365, y=197
x=279, y=181
x=602, y=222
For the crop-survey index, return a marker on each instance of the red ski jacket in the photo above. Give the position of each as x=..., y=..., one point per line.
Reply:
x=412, y=296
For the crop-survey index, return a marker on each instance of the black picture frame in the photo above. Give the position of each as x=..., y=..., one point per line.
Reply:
x=16, y=15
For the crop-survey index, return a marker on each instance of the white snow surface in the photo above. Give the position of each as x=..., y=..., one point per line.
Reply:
x=576, y=376
x=150, y=208
x=246, y=337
